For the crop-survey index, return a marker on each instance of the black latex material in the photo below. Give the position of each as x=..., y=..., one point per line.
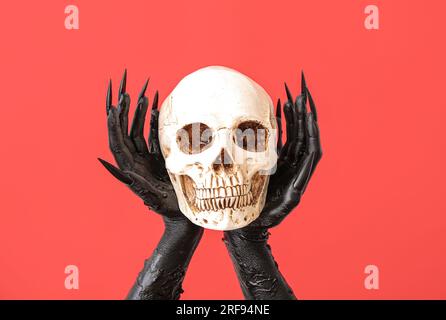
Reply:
x=142, y=169
x=164, y=271
x=258, y=273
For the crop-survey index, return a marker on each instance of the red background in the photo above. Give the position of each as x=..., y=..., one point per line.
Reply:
x=376, y=198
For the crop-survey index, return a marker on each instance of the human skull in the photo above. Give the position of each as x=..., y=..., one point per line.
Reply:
x=217, y=133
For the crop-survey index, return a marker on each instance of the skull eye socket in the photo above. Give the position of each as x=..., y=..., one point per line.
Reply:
x=251, y=136
x=194, y=138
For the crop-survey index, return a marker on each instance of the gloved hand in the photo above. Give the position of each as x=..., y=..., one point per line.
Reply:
x=142, y=169
x=256, y=269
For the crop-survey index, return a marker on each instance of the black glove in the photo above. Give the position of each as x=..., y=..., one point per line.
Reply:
x=142, y=169
x=257, y=271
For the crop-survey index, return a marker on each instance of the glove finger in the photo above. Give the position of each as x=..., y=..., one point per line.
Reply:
x=279, y=127
x=117, y=173
x=123, y=156
x=137, y=130
x=154, y=144
x=304, y=174
x=301, y=134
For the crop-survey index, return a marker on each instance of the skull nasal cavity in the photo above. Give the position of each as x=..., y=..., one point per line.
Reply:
x=223, y=162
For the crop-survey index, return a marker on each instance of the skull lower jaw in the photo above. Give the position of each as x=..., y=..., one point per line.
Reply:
x=223, y=207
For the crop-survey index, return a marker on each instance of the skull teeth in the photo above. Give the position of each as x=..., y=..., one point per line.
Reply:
x=221, y=192
x=216, y=181
x=210, y=193
x=233, y=202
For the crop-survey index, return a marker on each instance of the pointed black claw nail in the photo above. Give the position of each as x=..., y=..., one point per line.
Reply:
x=288, y=94
x=303, y=85
x=155, y=101
x=143, y=90
x=108, y=100
x=123, y=83
x=279, y=109
x=117, y=173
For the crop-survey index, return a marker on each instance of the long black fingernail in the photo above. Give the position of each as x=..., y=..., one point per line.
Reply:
x=155, y=101
x=279, y=109
x=303, y=83
x=123, y=83
x=117, y=173
x=143, y=90
x=288, y=93
x=108, y=100
x=303, y=87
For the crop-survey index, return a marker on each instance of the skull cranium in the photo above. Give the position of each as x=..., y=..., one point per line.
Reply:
x=219, y=172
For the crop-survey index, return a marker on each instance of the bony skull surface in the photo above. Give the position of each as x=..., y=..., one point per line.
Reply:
x=218, y=134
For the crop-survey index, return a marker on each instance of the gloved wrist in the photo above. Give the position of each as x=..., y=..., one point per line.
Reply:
x=251, y=234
